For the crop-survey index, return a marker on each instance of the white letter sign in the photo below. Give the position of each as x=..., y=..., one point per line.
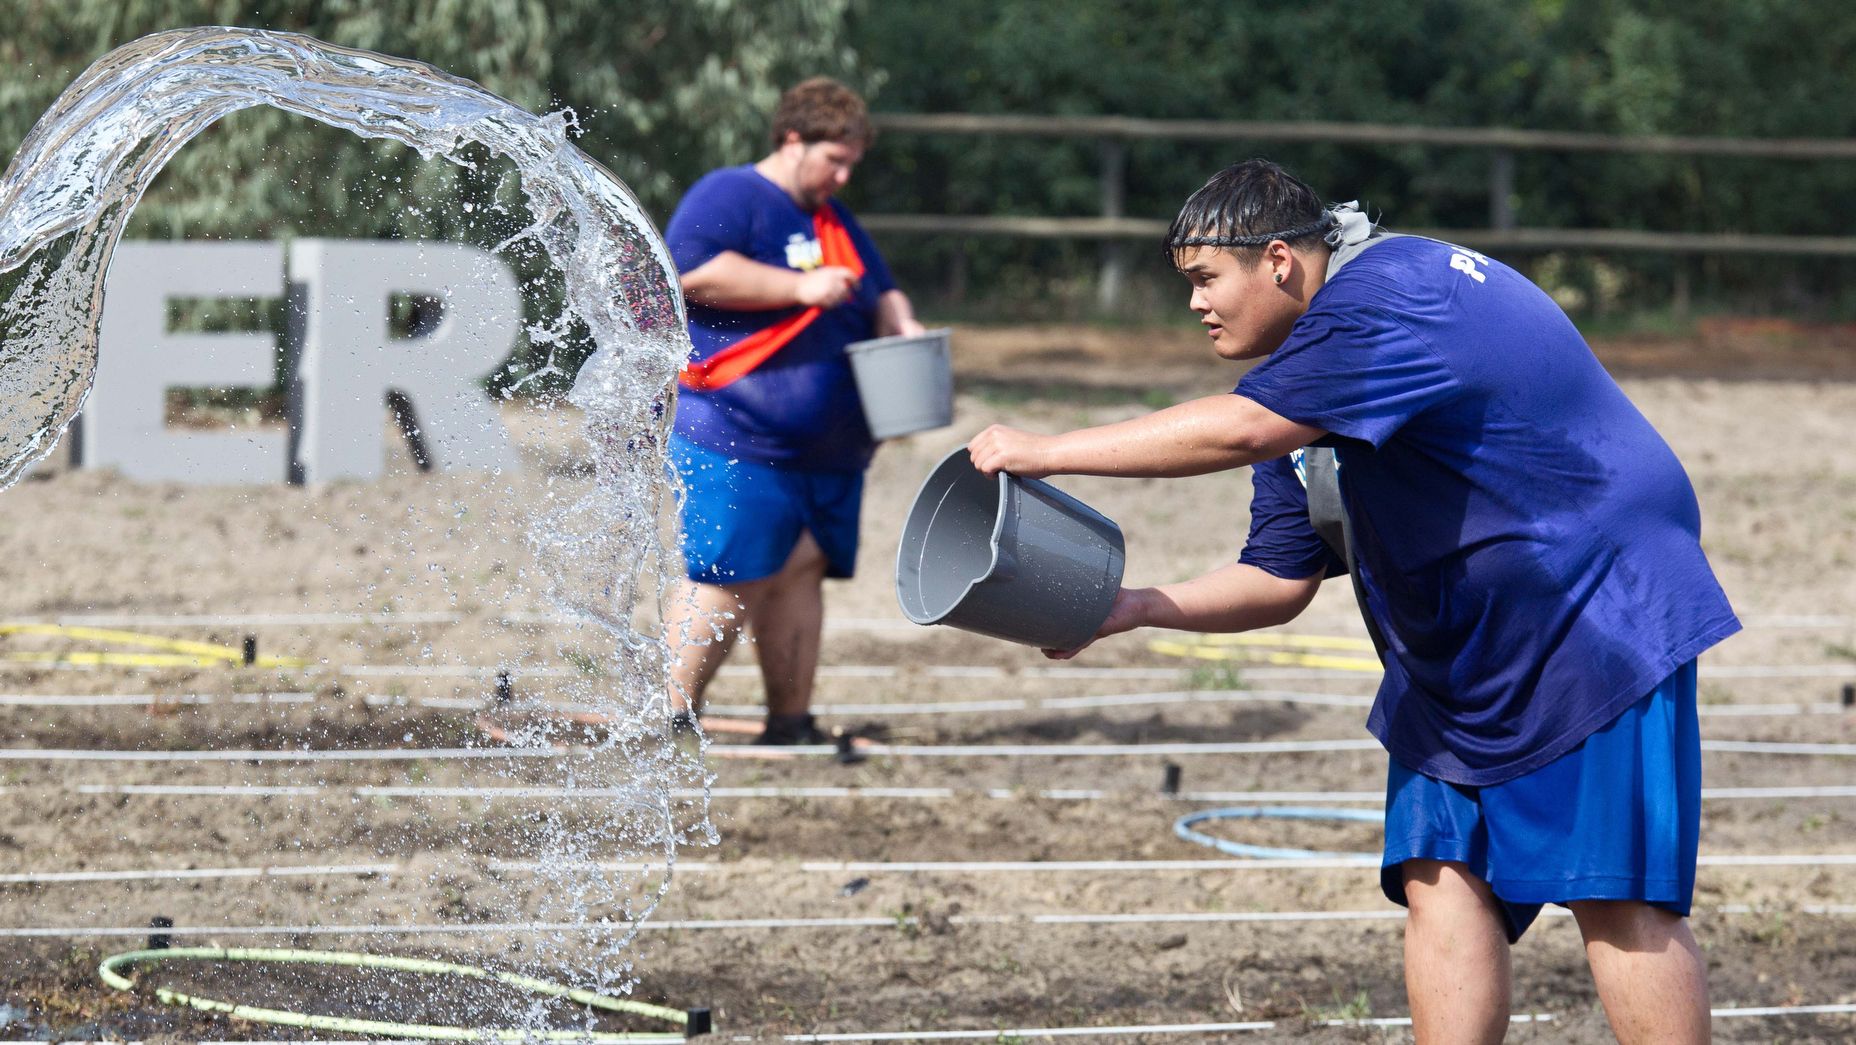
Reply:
x=124, y=423
x=349, y=363
x=345, y=368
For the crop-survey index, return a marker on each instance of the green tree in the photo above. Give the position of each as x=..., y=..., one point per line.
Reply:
x=1707, y=67
x=661, y=90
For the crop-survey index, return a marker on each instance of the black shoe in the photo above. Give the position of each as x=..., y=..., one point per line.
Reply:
x=790, y=730
x=682, y=724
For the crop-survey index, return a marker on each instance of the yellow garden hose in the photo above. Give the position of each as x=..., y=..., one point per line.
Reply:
x=177, y=653
x=1283, y=650
x=431, y=1032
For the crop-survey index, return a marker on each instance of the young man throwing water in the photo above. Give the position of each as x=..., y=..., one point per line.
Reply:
x=1526, y=551
x=770, y=437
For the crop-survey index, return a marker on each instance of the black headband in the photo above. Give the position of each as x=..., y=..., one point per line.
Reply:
x=1259, y=239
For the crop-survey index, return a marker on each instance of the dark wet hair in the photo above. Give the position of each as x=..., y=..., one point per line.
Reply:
x=1244, y=208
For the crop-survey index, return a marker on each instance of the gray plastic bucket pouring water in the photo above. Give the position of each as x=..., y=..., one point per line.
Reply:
x=1017, y=559
x=906, y=383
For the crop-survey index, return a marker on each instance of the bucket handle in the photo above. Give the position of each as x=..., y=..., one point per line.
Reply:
x=1004, y=564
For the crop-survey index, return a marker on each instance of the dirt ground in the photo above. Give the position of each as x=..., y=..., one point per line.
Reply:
x=1758, y=413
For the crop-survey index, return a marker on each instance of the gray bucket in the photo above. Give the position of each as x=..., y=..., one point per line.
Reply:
x=1017, y=559
x=906, y=382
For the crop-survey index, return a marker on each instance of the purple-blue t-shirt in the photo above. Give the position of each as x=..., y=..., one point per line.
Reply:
x=800, y=407
x=1528, y=544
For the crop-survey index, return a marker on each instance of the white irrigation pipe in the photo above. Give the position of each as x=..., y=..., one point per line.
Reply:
x=1246, y=1026
x=1239, y=747
x=1719, y=1014
x=1167, y=698
x=301, y=619
x=1170, y=1029
x=1830, y=791
x=685, y=925
x=489, y=793
x=1762, y=747
x=1232, y=747
x=1391, y=914
x=965, y=671
x=1755, y=710
x=864, y=671
x=200, y=874
x=1782, y=671
x=1784, y=1010
x=284, y=756
x=1016, y=1033
x=885, y=671
x=139, y=700
x=1159, y=1029
x=899, y=707
x=210, y=620
x=1797, y=620
x=855, y=671
x=1324, y=863
x=842, y=867
x=478, y=671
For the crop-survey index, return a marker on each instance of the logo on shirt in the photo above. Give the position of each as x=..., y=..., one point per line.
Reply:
x=1465, y=261
x=803, y=253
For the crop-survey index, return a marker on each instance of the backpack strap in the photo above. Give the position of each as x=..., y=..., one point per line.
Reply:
x=1327, y=513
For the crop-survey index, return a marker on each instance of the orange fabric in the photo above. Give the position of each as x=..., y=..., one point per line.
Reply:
x=735, y=362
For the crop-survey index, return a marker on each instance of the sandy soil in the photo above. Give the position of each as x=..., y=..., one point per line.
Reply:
x=1757, y=415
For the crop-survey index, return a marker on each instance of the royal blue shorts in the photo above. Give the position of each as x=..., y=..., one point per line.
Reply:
x=1616, y=818
x=742, y=518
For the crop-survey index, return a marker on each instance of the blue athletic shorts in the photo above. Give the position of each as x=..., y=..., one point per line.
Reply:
x=1616, y=818
x=742, y=518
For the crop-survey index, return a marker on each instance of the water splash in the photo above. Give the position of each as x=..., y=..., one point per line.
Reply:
x=64, y=202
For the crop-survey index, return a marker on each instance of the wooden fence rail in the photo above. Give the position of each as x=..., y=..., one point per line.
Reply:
x=1131, y=128
x=1113, y=228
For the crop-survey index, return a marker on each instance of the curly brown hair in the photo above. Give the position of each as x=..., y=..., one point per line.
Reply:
x=822, y=110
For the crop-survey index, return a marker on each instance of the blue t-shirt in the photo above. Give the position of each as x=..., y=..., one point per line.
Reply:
x=1529, y=545
x=800, y=407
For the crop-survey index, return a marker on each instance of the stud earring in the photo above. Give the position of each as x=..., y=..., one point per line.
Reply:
x=1279, y=278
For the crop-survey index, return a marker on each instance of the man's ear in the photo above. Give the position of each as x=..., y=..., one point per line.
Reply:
x=1279, y=260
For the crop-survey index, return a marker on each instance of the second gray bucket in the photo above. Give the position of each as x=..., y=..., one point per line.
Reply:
x=1016, y=559
x=906, y=383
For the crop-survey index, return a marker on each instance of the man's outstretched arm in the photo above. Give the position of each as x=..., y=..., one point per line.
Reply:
x=1203, y=435
x=1238, y=597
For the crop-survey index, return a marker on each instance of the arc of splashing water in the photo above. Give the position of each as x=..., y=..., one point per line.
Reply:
x=69, y=191
x=86, y=163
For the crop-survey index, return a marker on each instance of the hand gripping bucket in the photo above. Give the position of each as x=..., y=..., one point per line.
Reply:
x=906, y=383
x=1017, y=559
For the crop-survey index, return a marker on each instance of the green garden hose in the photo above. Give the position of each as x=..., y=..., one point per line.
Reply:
x=347, y=1025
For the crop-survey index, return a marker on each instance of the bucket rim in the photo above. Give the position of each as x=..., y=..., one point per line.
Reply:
x=939, y=335
x=1001, y=489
